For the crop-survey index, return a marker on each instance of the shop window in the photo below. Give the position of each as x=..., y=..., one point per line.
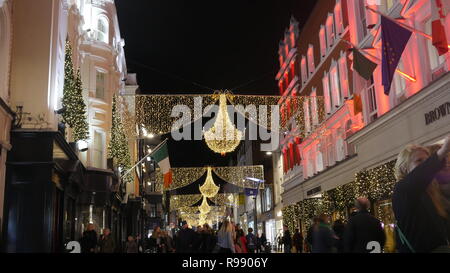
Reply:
x=311, y=59
x=100, y=85
x=340, y=149
x=319, y=161
x=326, y=93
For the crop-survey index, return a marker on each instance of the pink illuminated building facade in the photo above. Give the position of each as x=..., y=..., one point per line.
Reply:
x=357, y=127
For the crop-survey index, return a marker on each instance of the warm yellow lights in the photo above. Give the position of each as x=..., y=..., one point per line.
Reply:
x=204, y=208
x=209, y=188
x=223, y=137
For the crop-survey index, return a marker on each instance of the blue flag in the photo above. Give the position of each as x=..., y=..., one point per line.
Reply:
x=251, y=192
x=394, y=40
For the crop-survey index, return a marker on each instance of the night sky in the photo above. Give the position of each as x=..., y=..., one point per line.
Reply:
x=198, y=46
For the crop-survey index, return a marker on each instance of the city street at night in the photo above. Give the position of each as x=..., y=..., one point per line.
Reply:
x=228, y=135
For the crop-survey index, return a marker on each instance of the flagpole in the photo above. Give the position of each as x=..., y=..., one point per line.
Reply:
x=155, y=149
x=402, y=24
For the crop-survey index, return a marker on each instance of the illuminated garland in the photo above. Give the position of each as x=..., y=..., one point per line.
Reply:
x=209, y=188
x=118, y=148
x=74, y=114
x=182, y=177
x=376, y=184
x=185, y=200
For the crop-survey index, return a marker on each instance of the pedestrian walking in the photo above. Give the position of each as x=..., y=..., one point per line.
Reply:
x=251, y=241
x=422, y=220
x=362, y=229
x=186, y=239
x=131, y=245
x=263, y=242
x=106, y=243
x=225, y=240
x=310, y=233
x=287, y=240
x=208, y=240
x=241, y=241
x=89, y=240
x=323, y=238
x=297, y=240
x=339, y=228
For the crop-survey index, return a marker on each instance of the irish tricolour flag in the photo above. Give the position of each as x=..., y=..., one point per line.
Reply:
x=161, y=155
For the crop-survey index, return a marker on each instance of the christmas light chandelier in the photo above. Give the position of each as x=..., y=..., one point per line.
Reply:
x=204, y=208
x=209, y=189
x=223, y=137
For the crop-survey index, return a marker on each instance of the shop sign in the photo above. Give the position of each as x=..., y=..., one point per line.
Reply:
x=440, y=112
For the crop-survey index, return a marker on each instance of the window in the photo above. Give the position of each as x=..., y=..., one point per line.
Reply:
x=343, y=73
x=326, y=93
x=319, y=161
x=399, y=83
x=100, y=85
x=338, y=21
x=153, y=212
x=330, y=30
x=340, y=148
x=307, y=116
x=310, y=169
x=314, y=110
x=323, y=42
x=268, y=199
x=330, y=151
x=311, y=59
x=434, y=59
x=304, y=70
x=335, y=87
x=372, y=100
x=102, y=30
x=97, y=153
x=362, y=18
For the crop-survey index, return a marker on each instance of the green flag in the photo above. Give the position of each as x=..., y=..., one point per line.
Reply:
x=362, y=65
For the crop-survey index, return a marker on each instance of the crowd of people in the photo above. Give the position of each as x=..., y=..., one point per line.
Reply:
x=421, y=206
x=420, y=201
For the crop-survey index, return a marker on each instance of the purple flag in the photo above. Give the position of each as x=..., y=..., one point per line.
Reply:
x=394, y=40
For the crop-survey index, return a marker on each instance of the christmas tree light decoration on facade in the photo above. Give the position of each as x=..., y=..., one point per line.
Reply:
x=75, y=109
x=209, y=189
x=223, y=137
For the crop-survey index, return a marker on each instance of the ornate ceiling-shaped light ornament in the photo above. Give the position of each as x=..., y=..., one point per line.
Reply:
x=204, y=208
x=223, y=137
x=209, y=188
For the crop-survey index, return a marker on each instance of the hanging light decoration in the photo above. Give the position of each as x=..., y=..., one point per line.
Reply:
x=223, y=137
x=204, y=208
x=209, y=189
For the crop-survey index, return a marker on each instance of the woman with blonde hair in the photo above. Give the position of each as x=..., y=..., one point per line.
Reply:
x=422, y=224
x=225, y=238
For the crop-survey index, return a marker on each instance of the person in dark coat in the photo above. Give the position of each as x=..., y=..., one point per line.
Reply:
x=323, y=238
x=339, y=228
x=287, y=240
x=186, y=239
x=131, y=245
x=309, y=234
x=362, y=229
x=297, y=240
x=106, y=242
x=89, y=240
x=263, y=241
x=417, y=207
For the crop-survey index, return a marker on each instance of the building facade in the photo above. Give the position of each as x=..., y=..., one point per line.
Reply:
x=362, y=129
x=52, y=194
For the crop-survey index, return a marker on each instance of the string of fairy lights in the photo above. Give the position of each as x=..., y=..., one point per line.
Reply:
x=376, y=184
